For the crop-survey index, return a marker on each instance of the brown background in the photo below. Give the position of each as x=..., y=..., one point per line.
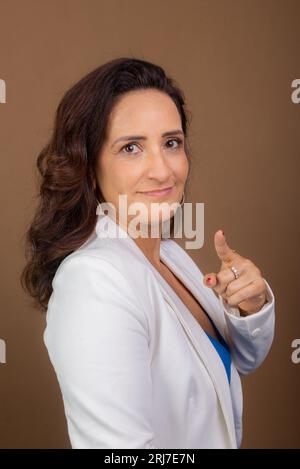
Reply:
x=235, y=61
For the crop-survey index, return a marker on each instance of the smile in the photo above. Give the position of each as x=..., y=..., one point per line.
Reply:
x=161, y=192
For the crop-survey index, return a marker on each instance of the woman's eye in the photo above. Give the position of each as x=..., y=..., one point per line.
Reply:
x=127, y=146
x=177, y=140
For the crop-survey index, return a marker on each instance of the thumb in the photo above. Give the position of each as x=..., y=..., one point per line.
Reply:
x=210, y=280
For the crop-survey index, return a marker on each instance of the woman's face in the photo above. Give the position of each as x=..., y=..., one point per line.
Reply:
x=137, y=157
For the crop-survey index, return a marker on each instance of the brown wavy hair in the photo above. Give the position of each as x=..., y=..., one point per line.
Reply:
x=69, y=192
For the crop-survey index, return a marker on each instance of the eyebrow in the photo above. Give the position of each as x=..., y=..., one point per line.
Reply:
x=141, y=137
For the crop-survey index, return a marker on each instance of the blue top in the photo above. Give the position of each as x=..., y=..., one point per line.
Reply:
x=222, y=349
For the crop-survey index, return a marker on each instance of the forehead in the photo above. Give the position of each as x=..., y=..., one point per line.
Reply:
x=143, y=111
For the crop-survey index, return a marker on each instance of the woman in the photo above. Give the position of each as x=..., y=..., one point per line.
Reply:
x=147, y=352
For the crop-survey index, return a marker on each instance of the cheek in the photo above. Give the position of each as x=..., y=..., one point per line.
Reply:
x=124, y=177
x=181, y=168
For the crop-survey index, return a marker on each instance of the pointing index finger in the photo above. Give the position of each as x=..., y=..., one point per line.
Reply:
x=224, y=252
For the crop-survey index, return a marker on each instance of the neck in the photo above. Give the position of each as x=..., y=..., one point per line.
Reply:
x=150, y=248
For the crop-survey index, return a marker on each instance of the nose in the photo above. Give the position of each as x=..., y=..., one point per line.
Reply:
x=158, y=167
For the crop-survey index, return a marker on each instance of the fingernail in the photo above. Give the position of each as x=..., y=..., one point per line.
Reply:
x=208, y=280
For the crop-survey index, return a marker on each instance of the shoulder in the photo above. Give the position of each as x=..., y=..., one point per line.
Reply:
x=92, y=277
x=102, y=275
x=109, y=259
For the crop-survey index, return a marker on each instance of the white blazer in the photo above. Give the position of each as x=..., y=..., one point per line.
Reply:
x=135, y=368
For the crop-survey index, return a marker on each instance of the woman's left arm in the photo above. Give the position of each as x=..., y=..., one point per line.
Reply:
x=250, y=336
x=248, y=304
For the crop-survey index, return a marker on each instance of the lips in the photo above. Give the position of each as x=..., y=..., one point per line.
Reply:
x=164, y=191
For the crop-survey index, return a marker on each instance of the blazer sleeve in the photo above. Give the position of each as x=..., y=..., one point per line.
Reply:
x=250, y=337
x=97, y=339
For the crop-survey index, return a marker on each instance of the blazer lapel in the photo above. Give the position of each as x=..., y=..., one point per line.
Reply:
x=197, y=336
